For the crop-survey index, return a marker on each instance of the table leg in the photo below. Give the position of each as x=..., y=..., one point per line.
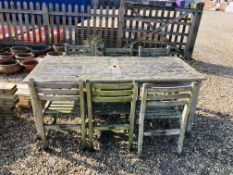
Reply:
x=193, y=106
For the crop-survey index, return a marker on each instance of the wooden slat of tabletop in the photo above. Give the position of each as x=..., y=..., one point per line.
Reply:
x=71, y=68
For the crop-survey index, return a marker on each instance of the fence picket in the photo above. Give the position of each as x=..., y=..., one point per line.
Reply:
x=82, y=24
x=106, y=37
x=14, y=21
x=51, y=21
x=8, y=20
x=20, y=21
x=39, y=22
x=25, y=7
x=76, y=24
x=64, y=23
x=57, y=9
x=94, y=21
x=70, y=24
x=100, y=21
x=2, y=23
x=112, y=27
x=88, y=22
x=33, y=22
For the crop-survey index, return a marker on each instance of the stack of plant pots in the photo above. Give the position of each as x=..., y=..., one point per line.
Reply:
x=8, y=64
x=8, y=100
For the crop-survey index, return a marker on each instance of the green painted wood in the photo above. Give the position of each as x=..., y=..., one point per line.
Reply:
x=112, y=99
x=99, y=92
x=108, y=86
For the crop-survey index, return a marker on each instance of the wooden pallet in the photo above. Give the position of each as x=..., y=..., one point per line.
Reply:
x=8, y=100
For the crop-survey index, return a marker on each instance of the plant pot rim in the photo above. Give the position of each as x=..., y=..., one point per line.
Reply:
x=24, y=62
x=33, y=48
x=55, y=53
x=29, y=54
x=18, y=48
x=5, y=65
x=59, y=44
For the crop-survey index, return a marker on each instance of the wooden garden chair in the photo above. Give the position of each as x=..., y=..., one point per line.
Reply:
x=165, y=102
x=79, y=49
x=118, y=52
x=62, y=99
x=152, y=52
x=111, y=99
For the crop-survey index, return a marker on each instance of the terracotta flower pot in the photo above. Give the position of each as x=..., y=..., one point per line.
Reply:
x=40, y=50
x=6, y=56
x=54, y=53
x=19, y=49
x=59, y=47
x=23, y=56
x=29, y=64
x=10, y=67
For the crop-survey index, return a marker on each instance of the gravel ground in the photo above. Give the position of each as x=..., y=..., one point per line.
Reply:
x=207, y=150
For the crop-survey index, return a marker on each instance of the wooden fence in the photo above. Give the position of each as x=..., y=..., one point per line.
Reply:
x=130, y=25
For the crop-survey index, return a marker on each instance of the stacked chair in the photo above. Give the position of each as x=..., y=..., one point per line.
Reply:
x=80, y=49
x=8, y=100
x=152, y=52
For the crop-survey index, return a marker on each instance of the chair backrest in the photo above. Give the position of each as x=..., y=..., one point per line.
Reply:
x=74, y=49
x=111, y=92
x=151, y=52
x=59, y=91
x=168, y=94
x=118, y=52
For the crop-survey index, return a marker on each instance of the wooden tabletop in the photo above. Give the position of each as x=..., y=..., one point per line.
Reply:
x=150, y=69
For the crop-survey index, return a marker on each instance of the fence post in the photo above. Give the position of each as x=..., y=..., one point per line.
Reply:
x=188, y=51
x=121, y=14
x=46, y=23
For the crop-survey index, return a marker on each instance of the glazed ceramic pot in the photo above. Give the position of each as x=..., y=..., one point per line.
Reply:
x=59, y=47
x=29, y=64
x=10, y=67
x=40, y=50
x=24, y=56
x=19, y=49
x=6, y=56
x=55, y=53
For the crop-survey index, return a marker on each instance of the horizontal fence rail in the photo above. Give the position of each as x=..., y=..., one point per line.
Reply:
x=127, y=26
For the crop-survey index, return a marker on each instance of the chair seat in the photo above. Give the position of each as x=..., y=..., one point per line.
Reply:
x=62, y=107
x=111, y=108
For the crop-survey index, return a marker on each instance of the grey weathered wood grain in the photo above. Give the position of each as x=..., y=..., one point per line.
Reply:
x=148, y=69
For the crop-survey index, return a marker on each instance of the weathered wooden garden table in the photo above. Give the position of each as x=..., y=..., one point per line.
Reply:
x=159, y=69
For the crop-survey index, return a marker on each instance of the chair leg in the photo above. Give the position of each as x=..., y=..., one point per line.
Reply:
x=141, y=121
x=183, y=125
x=131, y=131
x=42, y=132
x=140, y=132
x=83, y=131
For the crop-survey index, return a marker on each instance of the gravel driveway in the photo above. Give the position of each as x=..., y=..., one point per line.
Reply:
x=207, y=150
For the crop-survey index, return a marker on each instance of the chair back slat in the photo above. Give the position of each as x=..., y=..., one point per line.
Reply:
x=58, y=91
x=54, y=85
x=54, y=91
x=72, y=49
x=168, y=95
x=112, y=86
x=118, y=52
x=112, y=99
x=150, y=52
x=112, y=92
